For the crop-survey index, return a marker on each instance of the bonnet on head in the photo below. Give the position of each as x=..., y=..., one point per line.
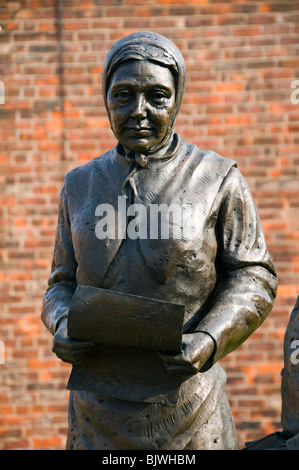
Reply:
x=146, y=45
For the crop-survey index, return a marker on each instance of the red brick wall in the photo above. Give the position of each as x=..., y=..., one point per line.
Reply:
x=242, y=57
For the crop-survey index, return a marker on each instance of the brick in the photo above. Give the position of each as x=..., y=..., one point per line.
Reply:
x=240, y=120
x=228, y=87
x=247, y=31
x=47, y=442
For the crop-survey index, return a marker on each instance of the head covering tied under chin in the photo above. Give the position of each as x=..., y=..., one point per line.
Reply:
x=150, y=46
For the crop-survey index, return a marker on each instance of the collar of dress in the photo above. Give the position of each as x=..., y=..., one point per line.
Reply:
x=162, y=154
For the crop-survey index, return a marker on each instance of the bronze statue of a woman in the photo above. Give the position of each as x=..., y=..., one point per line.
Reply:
x=129, y=389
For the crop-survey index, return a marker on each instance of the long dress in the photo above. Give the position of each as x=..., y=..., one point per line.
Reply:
x=222, y=273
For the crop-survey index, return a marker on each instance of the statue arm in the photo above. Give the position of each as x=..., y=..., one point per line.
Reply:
x=62, y=281
x=247, y=280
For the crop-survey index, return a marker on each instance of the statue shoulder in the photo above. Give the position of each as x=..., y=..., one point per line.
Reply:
x=81, y=176
x=210, y=161
x=213, y=159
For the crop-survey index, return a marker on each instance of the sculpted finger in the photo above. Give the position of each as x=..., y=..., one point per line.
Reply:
x=71, y=357
x=77, y=344
x=176, y=369
x=172, y=359
x=72, y=345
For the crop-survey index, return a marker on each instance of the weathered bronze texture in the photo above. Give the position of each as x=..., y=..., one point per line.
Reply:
x=288, y=437
x=220, y=270
x=290, y=376
x=108, y=317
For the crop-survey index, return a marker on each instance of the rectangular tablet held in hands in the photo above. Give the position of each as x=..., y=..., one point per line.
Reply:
x=115, y=318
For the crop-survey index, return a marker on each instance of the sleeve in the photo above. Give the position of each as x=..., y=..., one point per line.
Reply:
x=62, y=281
x=247, y=281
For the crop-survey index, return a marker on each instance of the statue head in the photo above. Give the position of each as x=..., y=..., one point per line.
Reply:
x=143, y=83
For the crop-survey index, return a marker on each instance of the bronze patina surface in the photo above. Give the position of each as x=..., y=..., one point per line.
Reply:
x=130, y=396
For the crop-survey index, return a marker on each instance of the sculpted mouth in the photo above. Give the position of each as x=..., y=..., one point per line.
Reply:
x=137, y=129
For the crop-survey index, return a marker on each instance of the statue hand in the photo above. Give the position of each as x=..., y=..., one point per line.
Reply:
x=196, y=350
x=67, y=349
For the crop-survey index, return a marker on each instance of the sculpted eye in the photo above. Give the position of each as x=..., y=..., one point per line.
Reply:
x=158, y=97
x=122, y=96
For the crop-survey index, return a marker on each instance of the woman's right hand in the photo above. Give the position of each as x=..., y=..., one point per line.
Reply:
x=67, y=349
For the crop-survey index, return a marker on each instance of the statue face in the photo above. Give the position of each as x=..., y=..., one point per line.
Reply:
x=140, y=99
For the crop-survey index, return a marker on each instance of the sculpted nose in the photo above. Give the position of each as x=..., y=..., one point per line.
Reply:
x=138, y=109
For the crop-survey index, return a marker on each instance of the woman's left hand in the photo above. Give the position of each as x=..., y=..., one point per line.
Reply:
x=197, y=348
